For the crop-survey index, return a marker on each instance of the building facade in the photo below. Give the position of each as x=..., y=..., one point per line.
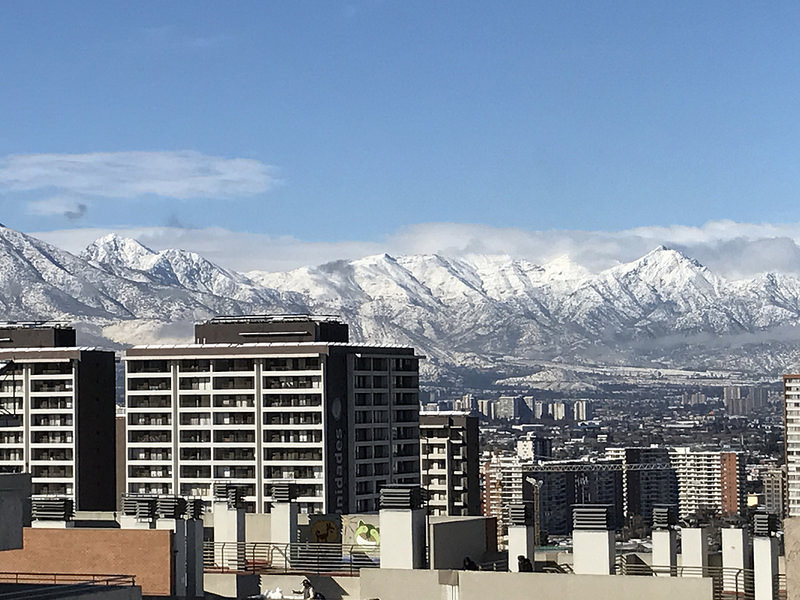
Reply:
x=450, y=462
x=648, y=479
x=57, y=403
x=709, y=481
x=791, y=424
x=261, y=400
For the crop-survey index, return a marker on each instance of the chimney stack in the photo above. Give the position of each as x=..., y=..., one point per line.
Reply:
x=665, y=540
x=765, y=557
x=402, y=527
x=592, y=540
x=520, y=534
x=694, y=551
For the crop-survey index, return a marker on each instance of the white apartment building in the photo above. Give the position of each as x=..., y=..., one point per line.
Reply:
x=709, y=481
x=791, y=424
x=57, y=414
x=449, y=462
x=261, y=400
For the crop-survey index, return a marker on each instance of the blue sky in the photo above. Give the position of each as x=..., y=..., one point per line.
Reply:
x=354, y=122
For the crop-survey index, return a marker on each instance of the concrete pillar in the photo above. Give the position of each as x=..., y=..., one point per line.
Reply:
x=765, y=568
x=403, y=528
x=694, y=551
x=665, y=552
x=735, y=559
x=194, y=558
x=283, y=522
x=520, y=543
x=228, y=536
x=178, y=527
x=521, y=535
x=592, y=541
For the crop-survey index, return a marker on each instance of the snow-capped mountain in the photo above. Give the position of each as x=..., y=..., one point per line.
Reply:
x=477, y=311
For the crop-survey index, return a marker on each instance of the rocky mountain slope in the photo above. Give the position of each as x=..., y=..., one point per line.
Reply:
x=474, y=312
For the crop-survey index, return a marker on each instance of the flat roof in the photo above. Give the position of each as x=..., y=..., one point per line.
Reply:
x=250, y=348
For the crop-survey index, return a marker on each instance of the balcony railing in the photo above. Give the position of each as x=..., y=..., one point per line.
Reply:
x=728, y=582
x=308, y=558
x=58, y=585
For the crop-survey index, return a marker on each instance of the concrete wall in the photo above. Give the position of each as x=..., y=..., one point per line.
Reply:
x=396, y=584
x=230, y=585
x=144, y=553
x=452, y=539
x=402, y=584
x=791, y=528
x=257, y=527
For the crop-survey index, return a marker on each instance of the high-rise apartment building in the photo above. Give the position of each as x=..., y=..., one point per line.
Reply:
x=791, y=425
x=449, y=462
x=775, y=491
x=260, y=400
x=709, y=481
x=648, y=479
x=562, y=484
x=57, y=403
x=504, y=483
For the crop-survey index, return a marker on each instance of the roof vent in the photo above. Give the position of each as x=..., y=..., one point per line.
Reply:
x=140, y=506
x=283, y=492
x=520, y=513
x=170, y=507
x=51, y=509
x=229, y=492
x=195, y=508
x=400, y=496
x=664, y=516
x=590, y=516
x=764, y=524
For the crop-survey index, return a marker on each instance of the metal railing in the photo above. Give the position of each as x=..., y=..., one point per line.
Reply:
x=728, y=583
x=308, y=558
x=57, y=585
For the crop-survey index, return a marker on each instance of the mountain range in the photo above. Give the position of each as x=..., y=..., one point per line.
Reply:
x=489, y=314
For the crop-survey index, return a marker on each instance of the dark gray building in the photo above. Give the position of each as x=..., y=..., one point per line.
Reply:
x=58, y=408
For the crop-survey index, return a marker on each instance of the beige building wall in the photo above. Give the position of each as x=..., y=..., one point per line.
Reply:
x=791, y=528
x=392, y=584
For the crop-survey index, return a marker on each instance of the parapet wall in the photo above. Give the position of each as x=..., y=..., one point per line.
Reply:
x=397, y=584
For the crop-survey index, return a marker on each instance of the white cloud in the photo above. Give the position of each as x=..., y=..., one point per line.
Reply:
x=734, y=250
x=125, y=175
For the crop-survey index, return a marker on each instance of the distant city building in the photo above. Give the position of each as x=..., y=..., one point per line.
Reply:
x=57, y=411
x=504, y=483
x=509, y=408
x=450, y=462
x=565, y=483
x=691, y=399
x=582, y=410
x=775, y=491
x=261, y=400
x=744, y=400
x=486, y=408
x=534, y=447
x=709, y=481
x=643, y=488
